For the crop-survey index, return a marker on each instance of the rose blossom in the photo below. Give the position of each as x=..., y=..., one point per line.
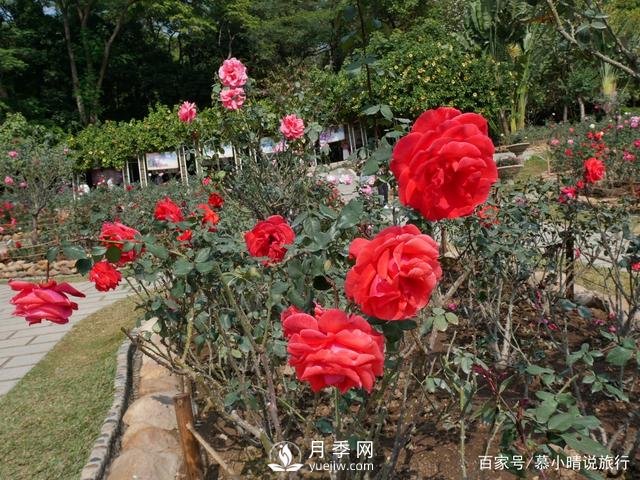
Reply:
x=635, y=267
x=594, y=170
x=554, y=142
x=570, y=141
x=334, y=349
x=332, y=179
x=628, y=156
x=185, y=236
x=232, y=73
x=209, y=217
x=444, y=166
x=115, y=234
x=269, y=238
x=634, y=122
x=8, y=180
x=366, y=190
x=105, y=276
x=292, y=127
x=566, y=194
x=187, y=112
x=206, y=181
x=232, y=98
x=346, y=179
x=12, y=154
x=215, y=200
x=167, y=210
x=488, y=216
x=44, y=301
x=394, y=273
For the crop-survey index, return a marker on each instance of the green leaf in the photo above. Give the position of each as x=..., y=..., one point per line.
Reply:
x=451, y=317
x=537, y=370
x=83, y=265
x=619, y=356
x=182, y=267
x=73, y=253
x=205, y=267
x=440, y=323
x=584, y=444
x=372, y=110
x=52, y=254
x=544, y=411
x=561, y=421
x=113, y=254
x=98, y=251
x=350, y=214
x=203, y=255
x=371, y=167
x=386, y=112
x=158, y=250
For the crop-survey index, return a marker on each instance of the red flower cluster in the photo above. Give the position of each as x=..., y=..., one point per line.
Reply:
x=394, y=273
x=269, y=238
x=445, y=166
x=116, y=234
x=45, y=301
x=333, y=349
x=105, y=276
x=168, y=211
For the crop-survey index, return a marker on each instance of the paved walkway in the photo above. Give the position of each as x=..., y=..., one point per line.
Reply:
x=22, y=346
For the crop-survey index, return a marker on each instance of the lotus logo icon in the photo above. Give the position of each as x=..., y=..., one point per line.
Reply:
x=282, y=455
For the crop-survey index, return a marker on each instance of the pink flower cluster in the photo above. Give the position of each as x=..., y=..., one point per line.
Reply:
x=233, y=76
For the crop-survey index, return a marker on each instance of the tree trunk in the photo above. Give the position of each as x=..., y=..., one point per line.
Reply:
x=582, y=110
x=75, y=79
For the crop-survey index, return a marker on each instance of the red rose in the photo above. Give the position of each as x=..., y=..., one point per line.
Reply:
x=268, y=239
x=445, y=166
x=105, y=276
x=115, y=234
x=334, y=350
x=185, y=236
x=215, y=200
x=394, y=273
x=167, y=210
x=45, y=301
x=635, y=267
x=594, y=170
x=209, y=217
x=488, y=216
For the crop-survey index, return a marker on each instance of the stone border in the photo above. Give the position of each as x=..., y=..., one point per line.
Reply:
x=105, y=444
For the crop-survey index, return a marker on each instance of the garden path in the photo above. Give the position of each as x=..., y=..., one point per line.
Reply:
x=22, y=346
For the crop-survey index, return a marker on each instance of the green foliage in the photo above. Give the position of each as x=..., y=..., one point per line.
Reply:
x=416, y=70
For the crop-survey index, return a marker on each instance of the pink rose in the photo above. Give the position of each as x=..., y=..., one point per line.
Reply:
x=232, y=98
x=366, y=190
x=554, y=142
x=8, y=180
x=292, y=127
x=23, y=184
x=187, y=112
x=346, y=179
x=12, y=154
x=635, y=267
x=232, y=73
x=206, y=181
x=636, y=143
